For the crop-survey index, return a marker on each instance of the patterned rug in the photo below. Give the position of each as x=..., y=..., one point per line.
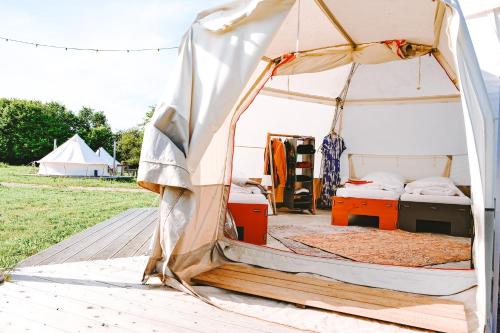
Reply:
x=283, y=233
x=391, y=247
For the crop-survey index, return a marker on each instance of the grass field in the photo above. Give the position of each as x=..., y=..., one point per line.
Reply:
x=27, y=175
x=32, y=219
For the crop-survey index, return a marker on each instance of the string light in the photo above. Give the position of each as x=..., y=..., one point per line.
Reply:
x=69, y=48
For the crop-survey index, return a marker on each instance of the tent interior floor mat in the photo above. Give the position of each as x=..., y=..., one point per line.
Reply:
x=392, y=247
x=285, y=233
x=418, y=311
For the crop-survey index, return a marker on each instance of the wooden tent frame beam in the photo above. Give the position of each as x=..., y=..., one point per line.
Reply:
x=365, y=101
x=321, y=4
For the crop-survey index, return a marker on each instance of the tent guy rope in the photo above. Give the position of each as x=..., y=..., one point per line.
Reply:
x=94, y=49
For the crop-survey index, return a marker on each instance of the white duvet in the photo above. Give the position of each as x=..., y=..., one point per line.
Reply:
x=380, y=181
x=433, y=186
x=249, y=189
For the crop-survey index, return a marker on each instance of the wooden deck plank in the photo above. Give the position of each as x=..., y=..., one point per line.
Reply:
x=42, y=256
x=86, y=244
x=97, y=242
x=145, y=248
x=81, y=296
x=123, y=287
x=431, y=307
x=103, y=310
x=115, y=243
x=51, y=316
x=139, y=245
x=110, y=301
x=293, y=290
x=387, y=294
x=13, y=322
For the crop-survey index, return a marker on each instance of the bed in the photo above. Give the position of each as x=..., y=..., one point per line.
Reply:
x=248, y=208
x=435, y=204
x=377, y=196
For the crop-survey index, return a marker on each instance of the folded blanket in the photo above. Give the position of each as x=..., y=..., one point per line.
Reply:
x=433, y=186
x=380, y=181
x=245, y=189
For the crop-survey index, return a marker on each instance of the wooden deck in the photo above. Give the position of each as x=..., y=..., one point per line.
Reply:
x=107, y=296
x=125, y=235
x=91, y=282
x=418, y=311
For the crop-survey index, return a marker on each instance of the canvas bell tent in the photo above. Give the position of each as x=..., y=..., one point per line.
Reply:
x=399, y=81
x=112, y=163
x=73, y=158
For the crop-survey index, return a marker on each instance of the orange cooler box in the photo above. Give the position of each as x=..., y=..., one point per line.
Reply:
x=250, y=216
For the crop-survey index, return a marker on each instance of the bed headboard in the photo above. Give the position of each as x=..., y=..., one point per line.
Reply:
x=411, y=167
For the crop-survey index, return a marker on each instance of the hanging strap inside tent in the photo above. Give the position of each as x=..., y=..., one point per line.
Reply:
x=297, y=49
x=340, y=100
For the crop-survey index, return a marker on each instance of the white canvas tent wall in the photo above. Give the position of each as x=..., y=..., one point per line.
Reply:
x=73, y=158
x=225, y=59
x=106, y=157
x=427, y=121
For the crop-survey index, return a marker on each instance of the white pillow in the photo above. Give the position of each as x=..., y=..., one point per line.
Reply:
x=433, y=186
x=385, y=181
x=432, y=181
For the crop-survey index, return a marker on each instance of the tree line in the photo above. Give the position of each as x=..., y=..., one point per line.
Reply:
x=28, y=129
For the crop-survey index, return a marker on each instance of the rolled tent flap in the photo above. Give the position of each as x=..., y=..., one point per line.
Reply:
x=212, y=70
x=372, y=53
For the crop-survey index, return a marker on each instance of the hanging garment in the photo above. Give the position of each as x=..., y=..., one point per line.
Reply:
x=279, y=167
x=290, y=163
x=331, y=148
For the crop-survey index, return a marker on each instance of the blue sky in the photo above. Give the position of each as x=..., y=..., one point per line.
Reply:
x=121, y=85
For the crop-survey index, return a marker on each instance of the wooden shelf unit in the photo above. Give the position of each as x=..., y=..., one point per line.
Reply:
x=291, y=199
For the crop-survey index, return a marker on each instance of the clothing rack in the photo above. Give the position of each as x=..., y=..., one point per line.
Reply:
x=289, y=191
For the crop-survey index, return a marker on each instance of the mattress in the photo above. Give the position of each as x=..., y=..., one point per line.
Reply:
x=367, y=193
x=247, y=198
x=443, y=199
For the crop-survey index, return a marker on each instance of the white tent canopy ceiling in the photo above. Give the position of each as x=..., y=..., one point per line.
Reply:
x=418, y=79
x=73, y=158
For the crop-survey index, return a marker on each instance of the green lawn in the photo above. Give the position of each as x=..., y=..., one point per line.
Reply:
x=27, y=175
x=32, y=219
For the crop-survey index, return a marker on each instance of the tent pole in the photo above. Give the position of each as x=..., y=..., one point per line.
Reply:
x=114, y=158
x=321, y=4
x=438, y=22
x=293, y=95
x=446, y=68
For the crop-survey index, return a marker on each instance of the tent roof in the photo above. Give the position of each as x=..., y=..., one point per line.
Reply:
x=328, y=34
x=104, y=155
x=75, y=151
x=326, y=23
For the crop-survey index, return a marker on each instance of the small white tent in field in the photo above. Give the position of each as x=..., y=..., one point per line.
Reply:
x=105, y=156
x=252, y=67
x=73, y=158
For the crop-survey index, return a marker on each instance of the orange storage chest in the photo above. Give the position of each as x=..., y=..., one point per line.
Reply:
x=386, y=210
x=249, y=212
